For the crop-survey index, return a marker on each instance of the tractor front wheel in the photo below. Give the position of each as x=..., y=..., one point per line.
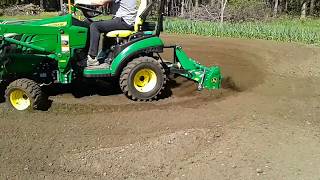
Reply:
x=25, y=94
x=143, y=79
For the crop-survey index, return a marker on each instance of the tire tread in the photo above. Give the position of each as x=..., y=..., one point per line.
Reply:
x=124, y=77
x=32, y=88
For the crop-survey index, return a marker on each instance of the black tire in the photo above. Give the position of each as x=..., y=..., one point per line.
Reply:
x=32, y=92
x=129, y=88
x=2, y=90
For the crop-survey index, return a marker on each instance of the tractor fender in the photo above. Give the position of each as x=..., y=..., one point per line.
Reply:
x=145, y=46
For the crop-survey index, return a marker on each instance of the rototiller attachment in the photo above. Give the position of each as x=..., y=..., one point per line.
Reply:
x=206, y=77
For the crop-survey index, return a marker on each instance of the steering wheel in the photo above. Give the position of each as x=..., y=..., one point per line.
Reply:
x=88, y=12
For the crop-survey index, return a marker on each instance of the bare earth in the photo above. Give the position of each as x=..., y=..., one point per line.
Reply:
x=266, y=126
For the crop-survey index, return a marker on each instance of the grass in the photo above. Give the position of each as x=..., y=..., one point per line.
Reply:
x=305, y=31
x=287, y=30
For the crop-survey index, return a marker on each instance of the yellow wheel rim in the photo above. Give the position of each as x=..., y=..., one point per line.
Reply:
x=19, y=100
x=145, y=80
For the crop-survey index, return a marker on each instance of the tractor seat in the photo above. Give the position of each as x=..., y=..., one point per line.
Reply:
x=120, y=33
x=138, y=22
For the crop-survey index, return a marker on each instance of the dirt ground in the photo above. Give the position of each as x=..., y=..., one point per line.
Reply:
x=264, y=127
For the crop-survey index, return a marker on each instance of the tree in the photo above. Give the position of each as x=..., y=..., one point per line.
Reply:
x=275, y=9
x=196, y=3
x=312, y=5
x=223, y=7
x=61, y=5
x=285, y=6
x=182, y=8
x=304, y=9
x=41, y=4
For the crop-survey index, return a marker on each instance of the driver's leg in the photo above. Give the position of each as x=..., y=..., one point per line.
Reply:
x=102, y=27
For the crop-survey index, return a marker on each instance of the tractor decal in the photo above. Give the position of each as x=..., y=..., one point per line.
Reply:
x=65, y=43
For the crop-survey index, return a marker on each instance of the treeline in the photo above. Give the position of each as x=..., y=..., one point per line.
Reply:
x=230, y=10
x=48, y=5
x=242, y=10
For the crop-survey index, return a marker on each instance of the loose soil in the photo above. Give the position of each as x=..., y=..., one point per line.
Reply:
x=264, y=123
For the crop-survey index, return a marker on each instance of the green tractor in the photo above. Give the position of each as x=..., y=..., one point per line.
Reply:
x=37, y=53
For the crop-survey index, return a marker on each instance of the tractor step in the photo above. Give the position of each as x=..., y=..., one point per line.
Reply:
x=97, y=72
x=101, y=66
x=96, y=75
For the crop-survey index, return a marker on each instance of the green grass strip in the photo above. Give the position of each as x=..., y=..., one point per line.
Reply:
x=284, y=30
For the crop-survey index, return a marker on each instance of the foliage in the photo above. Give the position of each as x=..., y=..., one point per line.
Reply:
x=248, y=10
x=28, y=9
x=236, y=10
x=282, y=30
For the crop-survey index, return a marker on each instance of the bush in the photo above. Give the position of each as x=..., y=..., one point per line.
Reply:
x=236, y=11
x=248, y=10
x=27, y=9
x=207, y=13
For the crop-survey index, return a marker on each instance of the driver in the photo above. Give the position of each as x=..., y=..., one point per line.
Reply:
x=124, y=12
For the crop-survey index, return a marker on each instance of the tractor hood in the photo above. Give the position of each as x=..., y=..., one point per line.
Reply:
x=13, y=21
x=57, y=21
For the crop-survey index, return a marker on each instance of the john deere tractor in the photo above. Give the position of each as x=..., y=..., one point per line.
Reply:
x=37, y=53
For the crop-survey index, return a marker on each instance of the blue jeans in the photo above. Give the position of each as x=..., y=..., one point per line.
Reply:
x=96, y=28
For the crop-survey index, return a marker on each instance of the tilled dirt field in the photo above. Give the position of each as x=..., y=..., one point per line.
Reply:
x=264, y=126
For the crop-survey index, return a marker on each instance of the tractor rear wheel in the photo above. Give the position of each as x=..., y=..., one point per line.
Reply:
x=2, y=90
x=25, y=94
x=143, y=79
